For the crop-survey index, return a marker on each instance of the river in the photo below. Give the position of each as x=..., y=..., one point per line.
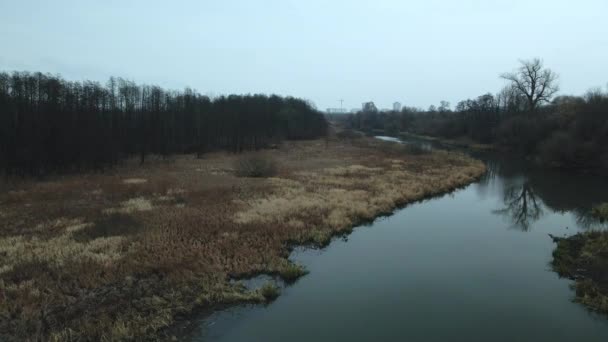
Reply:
x=472, y=265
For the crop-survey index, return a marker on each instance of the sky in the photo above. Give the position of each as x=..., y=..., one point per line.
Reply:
x=417, y=52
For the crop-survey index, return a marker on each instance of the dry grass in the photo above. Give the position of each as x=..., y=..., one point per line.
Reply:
x=584, y=258
x=255, y=165
x=121, y=255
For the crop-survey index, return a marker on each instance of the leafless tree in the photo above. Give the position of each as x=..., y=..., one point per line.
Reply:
x=50, y=125
x=532, y=80
x=522, y=206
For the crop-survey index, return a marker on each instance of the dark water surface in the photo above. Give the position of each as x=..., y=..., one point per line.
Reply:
x=472, y=265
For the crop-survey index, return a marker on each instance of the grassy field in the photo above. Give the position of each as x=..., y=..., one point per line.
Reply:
x=121, y=255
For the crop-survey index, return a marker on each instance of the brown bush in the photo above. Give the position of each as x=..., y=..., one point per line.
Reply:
x=564, y=150
x=416, y=149
x=398, y=149
x=259, y=166
x=348, y=134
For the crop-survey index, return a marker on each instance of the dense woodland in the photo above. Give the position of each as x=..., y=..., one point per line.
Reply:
x=561, y=131
x=50, y=125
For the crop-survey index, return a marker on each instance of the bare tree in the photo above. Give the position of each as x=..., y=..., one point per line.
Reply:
x=522, y=206
x=50, y=125
x=444, y=106
x=532, y=80
x=511, y=100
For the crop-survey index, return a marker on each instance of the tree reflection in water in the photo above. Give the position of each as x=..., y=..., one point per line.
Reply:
x=529, y=192
x=587, y=221
x=522, y=206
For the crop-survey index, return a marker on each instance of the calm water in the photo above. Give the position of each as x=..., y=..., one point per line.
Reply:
x=472, y=265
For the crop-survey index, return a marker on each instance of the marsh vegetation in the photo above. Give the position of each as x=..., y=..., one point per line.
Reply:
x=443, y=261
x=125, y=253
x=584, y=258
x=600, y=211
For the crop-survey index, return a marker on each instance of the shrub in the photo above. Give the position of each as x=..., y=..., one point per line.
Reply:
x=416, y=149
x=399, y=149
x=114, y=224
x=600, y=212
x=524, y=133
x=348, y=134
x=270, y=291
x=255, y=166
x=562, y=149
x=390, y=147
x=558, y=150
x=291, y=272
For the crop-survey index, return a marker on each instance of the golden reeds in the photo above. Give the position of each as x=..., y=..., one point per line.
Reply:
x=67, y=272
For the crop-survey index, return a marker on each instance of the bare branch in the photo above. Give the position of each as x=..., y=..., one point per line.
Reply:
x=538, y=85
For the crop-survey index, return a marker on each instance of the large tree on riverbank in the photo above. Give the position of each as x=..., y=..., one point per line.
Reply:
x=536, y=83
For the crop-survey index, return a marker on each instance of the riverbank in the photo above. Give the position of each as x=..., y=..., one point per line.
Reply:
x=460, y=143
x=583, y=258
x=121, y=255
x=536, y=157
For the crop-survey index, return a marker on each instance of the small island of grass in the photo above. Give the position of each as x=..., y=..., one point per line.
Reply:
x=584, y=258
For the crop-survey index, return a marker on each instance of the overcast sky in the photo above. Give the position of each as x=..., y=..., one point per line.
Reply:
x=416, y=52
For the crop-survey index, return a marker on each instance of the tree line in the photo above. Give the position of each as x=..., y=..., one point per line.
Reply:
x=49, y=125
x=524, y=117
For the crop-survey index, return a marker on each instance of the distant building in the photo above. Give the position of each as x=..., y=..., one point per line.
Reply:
x=397, y=106
x=336, y=111
x=369, y=107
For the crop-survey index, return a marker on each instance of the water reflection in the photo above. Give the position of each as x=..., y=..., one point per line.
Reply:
x=587, y=221
x=528, y=191
x=412, y=255
x=522, y=206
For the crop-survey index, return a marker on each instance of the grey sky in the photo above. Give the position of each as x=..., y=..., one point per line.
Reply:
x=416, y=52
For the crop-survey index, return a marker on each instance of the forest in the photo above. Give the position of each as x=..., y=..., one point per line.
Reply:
x=525, y=117
x=50, y=125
